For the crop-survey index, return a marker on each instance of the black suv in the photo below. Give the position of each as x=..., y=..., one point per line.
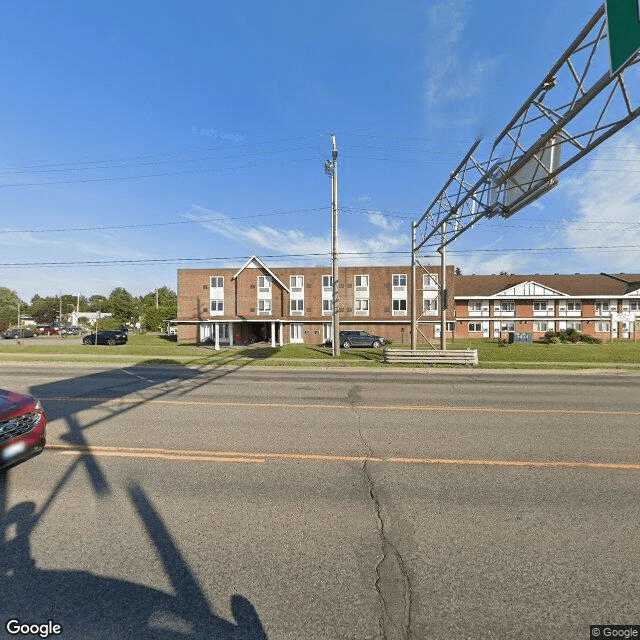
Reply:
x=350, y=339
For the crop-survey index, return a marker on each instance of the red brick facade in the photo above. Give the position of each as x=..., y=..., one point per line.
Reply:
x=293, y=304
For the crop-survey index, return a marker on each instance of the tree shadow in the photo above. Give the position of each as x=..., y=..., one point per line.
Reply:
x=90, y=606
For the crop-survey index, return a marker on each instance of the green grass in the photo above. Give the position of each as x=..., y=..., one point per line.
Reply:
x=151, y=348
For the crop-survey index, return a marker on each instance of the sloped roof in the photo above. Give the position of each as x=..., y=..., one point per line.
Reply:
x=257, y=262
x=577, y=285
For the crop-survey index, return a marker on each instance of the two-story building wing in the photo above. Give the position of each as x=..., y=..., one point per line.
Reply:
x=603, y=306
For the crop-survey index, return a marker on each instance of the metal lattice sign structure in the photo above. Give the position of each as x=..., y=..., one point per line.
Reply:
x=580, y=103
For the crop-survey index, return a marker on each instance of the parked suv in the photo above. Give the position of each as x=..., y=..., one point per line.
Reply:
x=350, y=339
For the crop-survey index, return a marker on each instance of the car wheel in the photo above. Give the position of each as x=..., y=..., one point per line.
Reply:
x=346, y=344
x=111, y=342
x=376, y=344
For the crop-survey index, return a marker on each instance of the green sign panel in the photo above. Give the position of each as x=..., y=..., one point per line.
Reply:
x=623, y=19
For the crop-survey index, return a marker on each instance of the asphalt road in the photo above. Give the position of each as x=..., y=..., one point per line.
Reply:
x=307, y=504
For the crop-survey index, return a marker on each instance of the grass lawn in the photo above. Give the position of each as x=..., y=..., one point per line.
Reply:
x=152, y=348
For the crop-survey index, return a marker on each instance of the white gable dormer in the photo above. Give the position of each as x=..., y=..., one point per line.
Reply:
x=529, y=289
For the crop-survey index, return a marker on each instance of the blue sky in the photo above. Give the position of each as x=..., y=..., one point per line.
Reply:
x=152, y=136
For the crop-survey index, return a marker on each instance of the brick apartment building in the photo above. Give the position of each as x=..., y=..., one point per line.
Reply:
x=294, y=304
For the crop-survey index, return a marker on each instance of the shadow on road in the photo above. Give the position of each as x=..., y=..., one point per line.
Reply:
x=86, y=605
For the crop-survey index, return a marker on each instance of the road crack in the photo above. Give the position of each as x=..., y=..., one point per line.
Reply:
x=392, y=580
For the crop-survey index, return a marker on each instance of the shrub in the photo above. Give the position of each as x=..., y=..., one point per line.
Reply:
x=569, y=335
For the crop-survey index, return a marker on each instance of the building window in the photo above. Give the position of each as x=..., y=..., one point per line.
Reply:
x=297, y=306
x=217, y=307
x=450, y=326
x=540, y=327
x=507, y=326
x=430, y=281
x=574, y=305
x=264, y=306
x=362, y=282
x=540, y=305
x=264, y=284
x=297, y=333
x=362, y=306
x=217, y=282
x=297, y=283
x=577, y=326
x=431, y=305
x=475, y=305
x=327, y=306
x=399, y=280
x=603, y=327
x=327, y=281
x=602, y=308
x=475, y=327
x=400, y=307
x=507, y=306
x=634, y=305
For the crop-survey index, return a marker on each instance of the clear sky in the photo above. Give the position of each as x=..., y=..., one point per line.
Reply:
x=141, y=137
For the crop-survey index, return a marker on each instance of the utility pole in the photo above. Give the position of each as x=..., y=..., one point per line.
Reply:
x=331, y=168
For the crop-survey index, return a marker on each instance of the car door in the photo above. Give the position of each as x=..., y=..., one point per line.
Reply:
x=360, y=339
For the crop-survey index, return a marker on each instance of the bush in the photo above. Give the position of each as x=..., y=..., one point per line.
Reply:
x=569, y=335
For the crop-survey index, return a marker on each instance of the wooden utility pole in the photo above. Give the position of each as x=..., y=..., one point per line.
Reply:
x=331, y=168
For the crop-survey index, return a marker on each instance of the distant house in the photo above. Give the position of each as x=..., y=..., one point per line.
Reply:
x=90, y=316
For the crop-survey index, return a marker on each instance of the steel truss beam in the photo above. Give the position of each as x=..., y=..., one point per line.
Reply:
x=577, y=106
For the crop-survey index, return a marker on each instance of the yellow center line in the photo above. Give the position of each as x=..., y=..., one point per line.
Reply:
x=260, y=457
x=342, y=407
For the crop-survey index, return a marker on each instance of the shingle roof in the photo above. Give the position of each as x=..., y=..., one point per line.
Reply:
x=580, y=285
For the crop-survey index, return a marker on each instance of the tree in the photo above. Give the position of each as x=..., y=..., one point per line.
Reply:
x=9, y=301
x=123, y=305
x=158, y=307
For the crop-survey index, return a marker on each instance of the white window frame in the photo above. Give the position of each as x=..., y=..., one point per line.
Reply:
x=361, y=306
x=296, y=306
x=297, y=283
x=361, y=282
x=430, y=306
x=327, y=306
x=399, y=280
x=264, y=284
x=429, y=281
x=397, y=306
x=603, y=327
x=219, y=282
x=216, y=307
x=264, y=307
x=475, y=327
x=297, y=333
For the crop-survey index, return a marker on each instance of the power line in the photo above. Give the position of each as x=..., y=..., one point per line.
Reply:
x=162, y=224
x=305, y=256
x=155, y=175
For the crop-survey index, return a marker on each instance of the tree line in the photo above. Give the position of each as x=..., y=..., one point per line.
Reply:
x=151, y=310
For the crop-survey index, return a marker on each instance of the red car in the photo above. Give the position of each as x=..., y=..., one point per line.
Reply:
x=23, y=426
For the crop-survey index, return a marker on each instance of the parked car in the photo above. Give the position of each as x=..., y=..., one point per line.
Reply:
x=110, y=337
x=350, y=339
x=23, y=427
x=49, y=330
x=18, y=333
x=71, y=331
